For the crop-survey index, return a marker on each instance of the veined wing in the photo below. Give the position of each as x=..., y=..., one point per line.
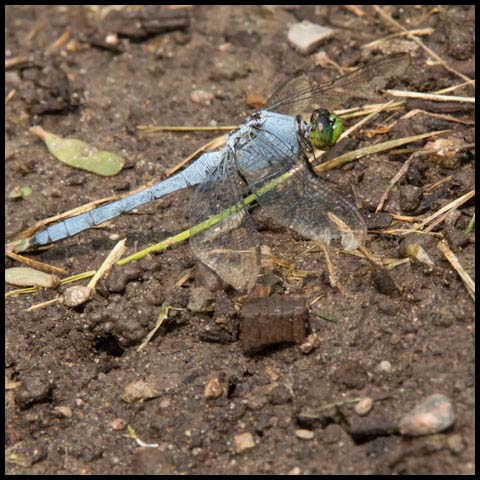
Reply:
x=230, y=247
x=303, y=202
x=300, y=94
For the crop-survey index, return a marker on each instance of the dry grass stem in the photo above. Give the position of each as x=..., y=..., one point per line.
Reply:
x=35, y=263
x=454, y=204
x=114, y=256
x=430, y=96
x=388, y=19
x=453, y=260
x=332, y=278
x=403, y=170
x=418, y=31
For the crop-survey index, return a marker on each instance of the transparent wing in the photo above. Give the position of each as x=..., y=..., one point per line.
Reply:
x=303, y=201
x=298, y=95
x=290, y=89
x=230, y=247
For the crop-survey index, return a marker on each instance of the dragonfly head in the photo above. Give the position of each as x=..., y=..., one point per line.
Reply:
x=325, y=128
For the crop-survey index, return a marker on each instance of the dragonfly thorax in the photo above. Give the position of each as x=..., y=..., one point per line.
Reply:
x=324, y=129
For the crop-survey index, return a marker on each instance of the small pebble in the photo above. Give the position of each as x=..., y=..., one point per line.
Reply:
x=364, y=406
x=295, y=471
x=76, y=295
x=152, y=461
x=455, y=443
x=34, y=388
x=410, y=197
x=64, y=411
x=279, y=395
x=304, y=434
x=200, y=300
x=445, y=152
x=384, y=366
x=332, y=433
x=432, y=415
x=201, y=96
x=352, y=375
x=139, y=390
x=213, y=389
x=243, y=442
x=117, y=424
x=256, y=402
x=272, y=375
x=307, y=36
x=312, y=342
x=111, y=39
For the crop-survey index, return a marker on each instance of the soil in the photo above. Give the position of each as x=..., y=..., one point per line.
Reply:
x=73, y=374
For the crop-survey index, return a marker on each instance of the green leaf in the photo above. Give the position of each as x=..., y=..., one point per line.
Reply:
x=19, y=193
x=79, y=154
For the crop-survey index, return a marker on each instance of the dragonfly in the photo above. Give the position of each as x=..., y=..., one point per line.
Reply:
x=271, y=143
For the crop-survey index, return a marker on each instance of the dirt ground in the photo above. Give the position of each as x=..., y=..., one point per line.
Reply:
x=73, y=374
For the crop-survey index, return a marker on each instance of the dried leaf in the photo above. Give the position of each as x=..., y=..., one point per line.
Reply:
x=28, y=277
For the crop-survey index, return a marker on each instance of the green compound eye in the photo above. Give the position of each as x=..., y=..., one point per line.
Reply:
x=325, y=129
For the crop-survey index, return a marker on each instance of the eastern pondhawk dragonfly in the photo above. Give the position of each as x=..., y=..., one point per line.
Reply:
x=270, y=143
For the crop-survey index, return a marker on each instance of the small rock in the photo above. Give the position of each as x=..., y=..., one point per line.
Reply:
x=264, y=422
x=279, y=395
x=200, y=300
x=213, y=389
x=28, y=452
x=243, y=442
x=377, y=221
x=384, y=366
x=63, y=411
x=139, y=390
x=230, y=69
x=256, y=402
x=76, y=295
x=352, y=375
x=202, y=97
x=332, y=433
x=117, y=424
x=432, y=415
x=311, y=343
x=364, y=406
x=272, y=375
x=307, y=36
x=295, y=471
x=33, y=389
x=152, y=461
x=455, y=443
x=410, y=197
x=446, y=152
x=383, y=281
x=304, y=434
